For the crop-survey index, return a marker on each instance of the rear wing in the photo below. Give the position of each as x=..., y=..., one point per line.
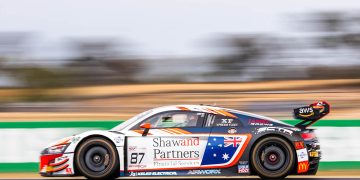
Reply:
x=310, y=114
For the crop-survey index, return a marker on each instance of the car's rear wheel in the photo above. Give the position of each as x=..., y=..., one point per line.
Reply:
x=96, y=158
x=312, y=170
x=272, y=158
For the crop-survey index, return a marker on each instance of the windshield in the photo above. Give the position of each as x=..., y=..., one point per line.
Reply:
x=130, y=121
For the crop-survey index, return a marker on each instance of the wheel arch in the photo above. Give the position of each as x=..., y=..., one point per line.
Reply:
x=282, y=136
x=76, y=171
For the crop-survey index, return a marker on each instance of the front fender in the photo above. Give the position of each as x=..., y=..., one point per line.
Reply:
x=117, y=139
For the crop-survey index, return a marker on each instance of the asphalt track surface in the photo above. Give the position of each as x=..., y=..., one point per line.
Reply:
x=317, y=177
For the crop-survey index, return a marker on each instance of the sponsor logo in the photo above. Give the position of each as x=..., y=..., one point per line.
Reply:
x=138, y=166
x=303, y=167
x=243, y=167
x=132, y=148
x=232, y=130
x=163, y=152
x=176, y=163
x=204, y=172
x=75, y=139
x=299, y=145
x=302, y=155
x=259, y=122
x=243, y=162
x=313, y=154
x=162, y=173
x=306, y=112
x=227, y=123
x=119, y=140
x=68, y=170
x=135, y=148
x=163, y=142
x=320, y=106
x=274, y=129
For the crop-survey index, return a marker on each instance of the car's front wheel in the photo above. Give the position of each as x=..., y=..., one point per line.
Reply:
x=96, y=158
x=273, y=158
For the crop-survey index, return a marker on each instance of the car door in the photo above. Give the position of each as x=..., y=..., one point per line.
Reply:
x=175, y=141
x=226, y=141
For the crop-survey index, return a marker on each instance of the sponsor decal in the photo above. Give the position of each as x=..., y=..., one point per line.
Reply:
x=306, y=111
x=220, y=150
x=302, y=155
x=137, y=166
x=303, y=167
x=132, y=148
x=161, y=153
x=243, y=162
x=165, y=152
x=314, y=154
x=299, y=145
x=204, y=172
x=136, y=148
x=274, y=129
x=119, y=139
x=259, y=122
x=243, y=167
x=177, y=163
x=232, y=130
x=68, y=170
x=75, y=139
x=161, y=173
x=226, y=123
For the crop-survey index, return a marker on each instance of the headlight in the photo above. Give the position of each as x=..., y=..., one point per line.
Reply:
x=57, y=149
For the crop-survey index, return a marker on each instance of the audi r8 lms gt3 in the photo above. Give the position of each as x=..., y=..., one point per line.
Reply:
x=191, y=140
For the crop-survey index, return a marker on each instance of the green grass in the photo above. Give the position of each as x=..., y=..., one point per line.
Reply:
x=19, y=167
x=337, y=123
x=340, y=165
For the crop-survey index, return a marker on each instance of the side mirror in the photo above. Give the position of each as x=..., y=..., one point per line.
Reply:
x=145, y=126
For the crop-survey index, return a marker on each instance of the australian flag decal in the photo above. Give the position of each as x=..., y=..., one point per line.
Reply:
x=220, y=150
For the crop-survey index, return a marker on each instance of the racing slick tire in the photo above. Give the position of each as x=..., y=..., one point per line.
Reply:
x=272, y=158
x=97, y=158
x=313, y=170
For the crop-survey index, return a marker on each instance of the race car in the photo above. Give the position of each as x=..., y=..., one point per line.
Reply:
x=191, y=140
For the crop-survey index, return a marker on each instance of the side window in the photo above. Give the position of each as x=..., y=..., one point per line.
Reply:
x=210, y=120
x=221, y=121
x=175, y=119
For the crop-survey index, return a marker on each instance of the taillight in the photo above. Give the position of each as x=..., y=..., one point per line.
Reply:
x=308, y=136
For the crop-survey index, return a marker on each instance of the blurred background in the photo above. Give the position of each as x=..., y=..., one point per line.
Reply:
x=69, y=66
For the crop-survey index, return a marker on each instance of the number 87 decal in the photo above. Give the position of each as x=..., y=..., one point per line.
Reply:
x=136, y=158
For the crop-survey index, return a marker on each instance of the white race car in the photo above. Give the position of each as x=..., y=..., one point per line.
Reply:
x=189, y=140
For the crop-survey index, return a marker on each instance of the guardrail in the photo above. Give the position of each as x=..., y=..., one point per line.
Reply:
x=21, y=142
